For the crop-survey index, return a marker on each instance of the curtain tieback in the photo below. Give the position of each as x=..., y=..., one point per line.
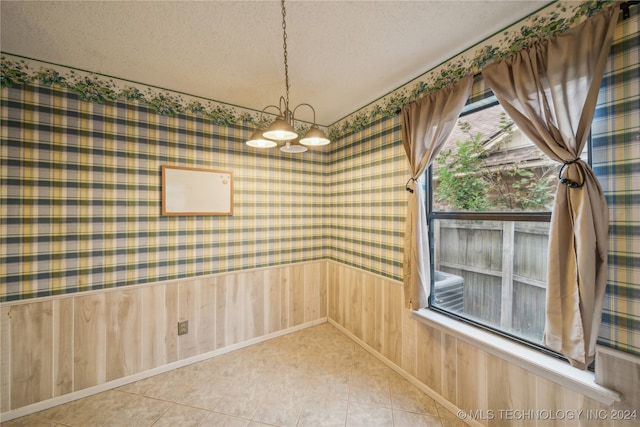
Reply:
x=566, y=181
x=407, y=186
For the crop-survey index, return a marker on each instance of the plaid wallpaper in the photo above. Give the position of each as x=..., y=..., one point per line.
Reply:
x=368, y=202
x=616, y=162
x=81, y=197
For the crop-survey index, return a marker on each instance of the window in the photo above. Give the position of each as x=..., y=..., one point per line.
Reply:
x=490, y=192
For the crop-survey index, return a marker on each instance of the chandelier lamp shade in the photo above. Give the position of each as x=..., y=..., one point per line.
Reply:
x=314, y=136
x=282, y=128
x=258, y=141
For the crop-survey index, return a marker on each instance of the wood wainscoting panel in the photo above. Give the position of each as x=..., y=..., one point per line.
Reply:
x=273, y=301
x=369, y=309
x=378, y=320
x=341, y=294
x=5, y=358
x=285, y=302
x=353, y=282
x=197, y=304
x=556, y=399
x=333, y=286
x=31, y=333
x=505, y=392
x=188, y=310
x=294, y=278
x=472, y=378
x=409, y=343
x=159, y=321
x=368, y=306
x=621, y=372
x=123, y=314
x=429, y=350
x=89, y=341
x=339, y=303
x=324, y=293
x=221, y=312
x=449, y=368
x=255, y=286
x=62, y=346
x=392, y=321
x=235, y=303
x=314, y=282
x=205, y=316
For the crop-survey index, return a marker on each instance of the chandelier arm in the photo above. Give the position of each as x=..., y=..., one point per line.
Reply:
x=271, y=106
x=286, y=106
x=293, y=115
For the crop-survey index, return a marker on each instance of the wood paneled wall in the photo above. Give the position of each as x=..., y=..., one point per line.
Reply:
x=54, y=346
x=371, y=308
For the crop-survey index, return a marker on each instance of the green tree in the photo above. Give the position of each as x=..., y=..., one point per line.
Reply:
x=467, y=182
x=513, y=186
x=459, y=184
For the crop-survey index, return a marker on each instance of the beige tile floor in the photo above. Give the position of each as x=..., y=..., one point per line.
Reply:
x=314, y=377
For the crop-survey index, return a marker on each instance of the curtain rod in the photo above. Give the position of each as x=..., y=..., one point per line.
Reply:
x=624, y=7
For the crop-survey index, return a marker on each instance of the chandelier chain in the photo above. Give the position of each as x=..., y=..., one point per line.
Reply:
x=282, y=128
x=286, y=65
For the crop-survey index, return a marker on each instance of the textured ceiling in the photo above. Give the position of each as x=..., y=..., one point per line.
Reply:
x=342, y=55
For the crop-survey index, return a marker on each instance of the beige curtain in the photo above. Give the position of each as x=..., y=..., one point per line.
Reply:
x=426, y=125
x=550, y=89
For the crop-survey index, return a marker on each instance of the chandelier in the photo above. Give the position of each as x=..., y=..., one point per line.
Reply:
x=281, y=129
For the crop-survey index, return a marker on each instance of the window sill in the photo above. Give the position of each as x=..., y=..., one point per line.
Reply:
x=526, y=358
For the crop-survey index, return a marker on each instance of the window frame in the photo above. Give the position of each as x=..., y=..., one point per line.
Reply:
x=487, y=101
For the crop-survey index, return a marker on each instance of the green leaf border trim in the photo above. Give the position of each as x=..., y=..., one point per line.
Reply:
x=95, y=88
x=91, y=87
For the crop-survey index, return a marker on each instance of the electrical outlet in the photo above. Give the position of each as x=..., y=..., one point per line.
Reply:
x=183, y=327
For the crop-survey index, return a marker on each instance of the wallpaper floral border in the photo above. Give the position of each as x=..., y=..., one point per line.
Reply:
x=95, y=88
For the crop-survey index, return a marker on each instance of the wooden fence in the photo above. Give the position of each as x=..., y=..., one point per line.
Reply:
x=504, y=268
